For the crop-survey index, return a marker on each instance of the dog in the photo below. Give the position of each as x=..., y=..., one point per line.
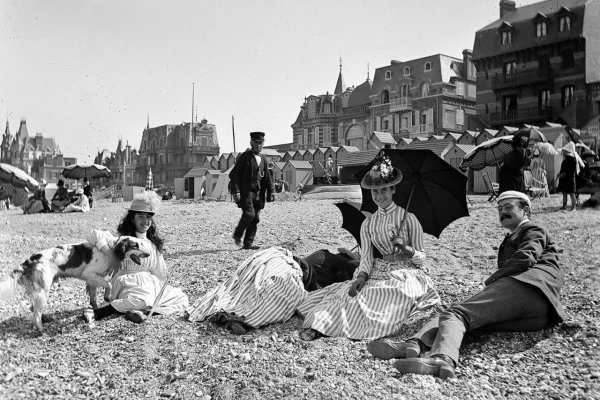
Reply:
x=80, y=260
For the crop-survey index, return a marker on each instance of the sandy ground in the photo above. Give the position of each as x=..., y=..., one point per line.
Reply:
x=168, y=357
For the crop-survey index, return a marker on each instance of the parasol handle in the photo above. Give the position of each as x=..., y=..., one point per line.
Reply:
x=406, y=211
x=160, y=293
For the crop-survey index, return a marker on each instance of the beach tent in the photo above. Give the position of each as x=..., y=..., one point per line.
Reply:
x=221, y=189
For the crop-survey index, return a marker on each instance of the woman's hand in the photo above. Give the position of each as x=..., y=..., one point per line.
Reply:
x=357, y=285
x=407, y=252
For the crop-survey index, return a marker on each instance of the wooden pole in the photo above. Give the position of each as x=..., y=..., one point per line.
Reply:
x=233, y=131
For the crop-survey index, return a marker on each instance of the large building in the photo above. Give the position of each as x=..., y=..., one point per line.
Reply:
x=538, y=63
x=37, y=155
x=421, y=97
x=170, y=151
x=122, y=164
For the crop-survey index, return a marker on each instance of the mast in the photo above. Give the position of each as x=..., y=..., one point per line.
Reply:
x=192, y=120
x=233, y=131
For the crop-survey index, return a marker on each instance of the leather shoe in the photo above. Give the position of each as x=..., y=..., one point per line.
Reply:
x=238, y=241
x=386, y=349
x=250, y=247
x=135, y=316
x=438, y=365
x=236, y=327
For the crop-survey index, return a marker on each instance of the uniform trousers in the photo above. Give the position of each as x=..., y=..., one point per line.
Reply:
x=505, y=305
x=251, y=206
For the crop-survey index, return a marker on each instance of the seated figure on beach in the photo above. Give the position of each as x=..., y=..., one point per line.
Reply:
x=81, y=203
x=522, y=295
x=385, y=291
x=61, y=197
x=136, y=287
x=37, y=202
x=268, y=287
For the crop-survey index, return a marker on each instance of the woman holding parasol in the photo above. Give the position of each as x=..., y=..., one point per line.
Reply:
x=384, y=292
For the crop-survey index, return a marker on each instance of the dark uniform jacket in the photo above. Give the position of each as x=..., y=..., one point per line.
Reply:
x=246, y=176
x=511, y=172
x=530, y=256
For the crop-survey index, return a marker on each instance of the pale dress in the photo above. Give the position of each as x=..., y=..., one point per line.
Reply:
x=136, y=287
x=393, y=292
x=266, y=288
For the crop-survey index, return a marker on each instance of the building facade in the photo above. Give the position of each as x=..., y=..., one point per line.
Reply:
x=122, y=164
x=172, y=150
x=538, y=63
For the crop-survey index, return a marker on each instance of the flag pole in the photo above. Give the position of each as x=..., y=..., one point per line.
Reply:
x=233, y=131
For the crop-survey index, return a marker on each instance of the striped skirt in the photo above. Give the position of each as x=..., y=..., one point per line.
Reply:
x=266, y=288
x=380, y=308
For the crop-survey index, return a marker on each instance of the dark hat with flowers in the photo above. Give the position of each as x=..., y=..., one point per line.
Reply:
x=381, y=174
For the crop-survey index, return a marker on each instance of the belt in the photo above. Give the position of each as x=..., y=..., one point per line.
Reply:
x=393, y=257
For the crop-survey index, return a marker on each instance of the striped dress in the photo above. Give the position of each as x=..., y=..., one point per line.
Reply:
x=266, y=288
x=136, y=287
x=393, y=292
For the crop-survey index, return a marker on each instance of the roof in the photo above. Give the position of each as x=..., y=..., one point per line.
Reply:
x=361, y=94
x=213, y=172
x=279, y=164
x=300, y=164
x=487, y=39
x=553, y=132
x=358, y=158
x=455, y=135
x=349, y=148
x=466, y=147
x=195, y=172
x=270, y=152
x=437, y=147
x=340, y=85
x=384, y=137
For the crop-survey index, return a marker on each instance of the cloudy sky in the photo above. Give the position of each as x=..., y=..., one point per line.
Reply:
x=90, y=72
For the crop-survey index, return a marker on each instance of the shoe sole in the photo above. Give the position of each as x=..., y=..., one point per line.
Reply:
x=135, y=318
x=385, y=351
x=418, y=367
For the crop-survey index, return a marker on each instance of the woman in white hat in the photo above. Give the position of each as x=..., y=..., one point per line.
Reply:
x=385, y=291
x=135, y=287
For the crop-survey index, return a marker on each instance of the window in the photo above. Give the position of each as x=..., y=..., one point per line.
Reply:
x=506, y=38
x=406, y=71
x=388, y=75
x=385, y=97
x=509, y=103
x=460, y=117
x=510, y=68
x=425, y=89
x=404, y=123
x=427, y=66
x=386, y=124
x=564, y=23
x=404, y=90
x=567, y=95
x=541, y=29
x=544, y=99
x=568, y=61
x=396, y=123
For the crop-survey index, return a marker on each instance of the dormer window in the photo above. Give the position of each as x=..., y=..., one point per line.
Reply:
x=541, y=29
x=388, y=75
x=564, y=23
x=506, y=38
x=541, y=25
x=406, y=71
x=425, y=89
x=385, y=97
x=427, y=66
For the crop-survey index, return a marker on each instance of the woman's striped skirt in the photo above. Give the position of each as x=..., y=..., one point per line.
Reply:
x=266, y=288
x=378, y=310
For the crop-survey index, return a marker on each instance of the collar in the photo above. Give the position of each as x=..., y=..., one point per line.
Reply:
x=388, y=210
x=518, y=226
x=140, y=235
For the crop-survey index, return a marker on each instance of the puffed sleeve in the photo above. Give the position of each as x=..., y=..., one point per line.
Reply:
x=366, y=250
x=101, y=238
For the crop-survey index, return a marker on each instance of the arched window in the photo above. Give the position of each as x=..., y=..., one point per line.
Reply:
x=404, y=90
x=385, y=97
x=427, y=66
x=425, y=89
x=406, y=71
x=388, y=75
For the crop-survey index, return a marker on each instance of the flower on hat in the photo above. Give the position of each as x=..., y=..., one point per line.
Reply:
x=147, y=201
x=382, y=169
x=381, y=174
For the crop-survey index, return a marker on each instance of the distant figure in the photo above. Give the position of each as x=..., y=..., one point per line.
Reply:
x=251, y=187
x=538, y=172
x=569, y=168
x=38, y=202
x=329, y=169
x=299, y=190
x=61, y=197
x=511, y=172
x=81, y=203
x=87, y=190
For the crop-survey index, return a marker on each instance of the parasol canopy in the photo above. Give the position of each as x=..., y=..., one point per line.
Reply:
x=431, y=189
x=488, y=153
x=90, y=171
x=532, y=133
x=17, y=177
x=352, y=217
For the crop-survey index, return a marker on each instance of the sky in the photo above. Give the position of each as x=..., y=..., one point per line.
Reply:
x=90, y=72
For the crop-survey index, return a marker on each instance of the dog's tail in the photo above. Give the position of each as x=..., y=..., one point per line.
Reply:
x=10, y=287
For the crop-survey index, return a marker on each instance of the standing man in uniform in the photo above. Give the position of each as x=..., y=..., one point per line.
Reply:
x=251, y=186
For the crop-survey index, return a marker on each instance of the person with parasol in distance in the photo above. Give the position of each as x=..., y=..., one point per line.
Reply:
x=384, y=291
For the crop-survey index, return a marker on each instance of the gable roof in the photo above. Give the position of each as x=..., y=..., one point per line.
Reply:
x=195, y=172
x=437, y=147
x=384, y=137
x=358, y=158
x=279, y=164
x=212, y=172
x=300, y=164
x=349, y=148
x=270, y=152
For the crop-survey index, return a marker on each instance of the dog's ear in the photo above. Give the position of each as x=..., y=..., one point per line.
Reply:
x=121, y=248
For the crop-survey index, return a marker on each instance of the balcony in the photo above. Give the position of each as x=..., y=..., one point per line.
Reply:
x=421, y=130
x=401, y=104
x=523, y=115
x=522, y=77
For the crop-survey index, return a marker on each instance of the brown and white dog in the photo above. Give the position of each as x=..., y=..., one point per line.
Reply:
x=80, y=260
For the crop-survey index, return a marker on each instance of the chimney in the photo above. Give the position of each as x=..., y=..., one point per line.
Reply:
x=506, y=6
x=468, y=67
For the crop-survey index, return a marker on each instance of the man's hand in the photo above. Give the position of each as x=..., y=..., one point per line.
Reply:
x=357, y=285
x=271, y=198
x=236, y=197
